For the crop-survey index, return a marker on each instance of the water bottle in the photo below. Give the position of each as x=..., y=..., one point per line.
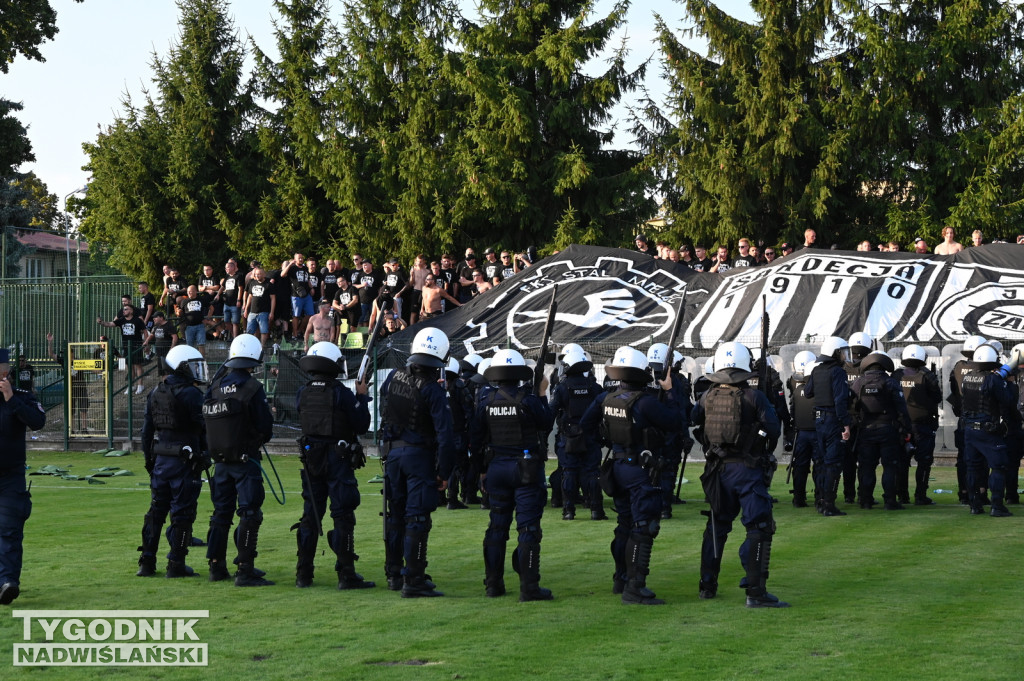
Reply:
x=942, y=491
x=527, y=455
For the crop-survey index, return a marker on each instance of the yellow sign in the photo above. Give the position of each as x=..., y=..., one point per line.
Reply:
x=87, y=365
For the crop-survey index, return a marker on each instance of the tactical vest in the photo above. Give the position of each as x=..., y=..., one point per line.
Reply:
x=700, y=386
x=319, y=416
x=507, y=421
x=873, y=401
x=617, y=416
x=723, y=421
x=853, y=372
x=230, y=434
x=457, y=394
x=581, y=392
x=920, y=403
x=976, y=405
x=165, y=409
x=803, y=406
x=822, y=377
x=405, y=407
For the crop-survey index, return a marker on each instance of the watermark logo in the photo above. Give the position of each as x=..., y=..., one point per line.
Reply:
x=110, y=638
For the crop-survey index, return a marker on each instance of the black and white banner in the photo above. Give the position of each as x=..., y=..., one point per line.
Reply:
x=622, y=297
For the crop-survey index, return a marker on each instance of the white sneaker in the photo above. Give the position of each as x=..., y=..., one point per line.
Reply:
x=138, y=389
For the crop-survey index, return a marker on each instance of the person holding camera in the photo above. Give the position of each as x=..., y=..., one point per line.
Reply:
x=332, y=418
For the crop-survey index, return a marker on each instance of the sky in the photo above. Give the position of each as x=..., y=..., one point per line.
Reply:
x=105, y=47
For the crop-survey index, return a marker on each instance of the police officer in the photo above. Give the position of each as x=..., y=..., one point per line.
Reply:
x=1015, y=437
x=860, y=345
x=238, y=423
x=510, y=426
x=883, y=427
x=418, y=449
x=955, y=399
x=19, y=410
x=670, y=453
x=805, y=441
x=579, y=463
x=923, y=395
x=332, y=419
x=174, y=444
x=830, y=391
x=738, y=422
x=460, y=398
x=987, y=403
x=623, y=418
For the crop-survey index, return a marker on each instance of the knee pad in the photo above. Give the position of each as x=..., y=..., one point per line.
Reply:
x=533, y=530
x=647, y=528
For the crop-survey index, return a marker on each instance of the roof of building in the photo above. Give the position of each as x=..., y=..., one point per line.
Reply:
x=48, y=241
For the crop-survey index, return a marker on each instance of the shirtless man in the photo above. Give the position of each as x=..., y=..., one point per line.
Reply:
x=949, y=245
x=417, y=275
x=321, y=326
x=482, y=285
x=433, y=296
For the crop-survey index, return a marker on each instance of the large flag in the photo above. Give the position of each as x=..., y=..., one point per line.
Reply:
x=621, y=297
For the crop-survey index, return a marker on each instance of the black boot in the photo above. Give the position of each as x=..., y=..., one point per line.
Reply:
x=529, y=574
x=176, y=568
x=638, y=566
x=180, y=536
x=247, y=576
x=216, y=552
x=828, y=498
x=342, y=540
x=417, y=585
x=618, y=548
x=150, y=545
x=247, y=536
x=569, y=512
x=494, y=567
x=306, y=538
x=760, y=545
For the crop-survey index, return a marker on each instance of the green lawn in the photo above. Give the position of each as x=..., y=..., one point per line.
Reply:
x=927, y=593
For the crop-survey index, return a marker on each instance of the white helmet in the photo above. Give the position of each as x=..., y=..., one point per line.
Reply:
x=575, y=359
x=677, y=359
x=478, y=377
x=322, y=358
x=732, y=356
x=571, y=347
x=1018, y=348
x=914, y=356
x=971, y=344
x=188, y=362
x=861, y=340
x=834, y=344
x=246, y=352
x=709, y=366
x=656, y=355
x=985, y=354
x=454, y=367
x=508, y=365
x=474, y=359
x=429, y=348
x=997, y=345
x=629, y=365
x=803, y=361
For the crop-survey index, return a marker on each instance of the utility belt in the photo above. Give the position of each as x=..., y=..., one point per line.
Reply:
x=821, y=412
x=313, y=454
x=986, y=426
x=176, y=450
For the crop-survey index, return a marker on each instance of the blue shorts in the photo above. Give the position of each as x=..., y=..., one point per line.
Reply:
x=232, y=314
x=195, y=335
x=302, y=307
x=259, y=320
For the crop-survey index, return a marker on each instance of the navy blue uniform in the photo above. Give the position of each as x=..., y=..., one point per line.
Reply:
x=740, y=488
x=806, y=449
x=923, y=395
x=988, y=404
x=509, y=425
x=174, y=443
x=19, y=412
x=578, y=461
x=419, y=449
x=332, y=418
x=675, y=443
x=828, y=387
x=637, y=499
x=460, y=397
x=883, y=422
x=239, y=483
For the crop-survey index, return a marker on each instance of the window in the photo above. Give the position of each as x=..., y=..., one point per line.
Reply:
x=35, y=268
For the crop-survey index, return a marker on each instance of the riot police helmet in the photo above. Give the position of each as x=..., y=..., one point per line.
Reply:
x=971, y=344
x=986, y=357
x=187, y=362
x=478, y=377
x=914, y=356
x=803, y=361
x=860, y=344
x=322, y=358
x=629, y=365
x=575, y=360
x=430, y=348
x=835, y=347
x=656, y=356
x=876, y=361
x=508, y=365
x=732, y=356
x=246, y=352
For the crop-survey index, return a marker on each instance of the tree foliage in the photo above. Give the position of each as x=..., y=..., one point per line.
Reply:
x=24, y=25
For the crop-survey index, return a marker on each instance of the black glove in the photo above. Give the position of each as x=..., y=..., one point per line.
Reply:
x=687, y=446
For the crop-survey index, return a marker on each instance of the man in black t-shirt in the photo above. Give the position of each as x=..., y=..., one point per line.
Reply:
x=209, y=284
x=314, y=282
x=194, y=310
x=744, y=259
x=508, y=268
x=396, y=280
x=231, y=287
x=722, y=262
x=163, y=337
x=700, y=262
x=329, y=276
x=302, y=304
x=260, y=304
x=368, y=284
x=467, y=287
x=345, y=304
x=491, y=267
x=133, y=332
x=175, y=287
x=147, y=303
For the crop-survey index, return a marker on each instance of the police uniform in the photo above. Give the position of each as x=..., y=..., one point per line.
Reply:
x=509, y=425
x=738, y=421
x=806, y=449
x=955, y=399
x=419, y=450
x=174, y=444
x=624, y=417
x=671, y=455
x=883, y=423
x=332, y=418
x=923, y=396
x=828, y=388
x=577, y=461
x=22, y=410
x=238, y=423
x=460, y=399
x=850, y=475
x=987, y=403
x=1015, y=444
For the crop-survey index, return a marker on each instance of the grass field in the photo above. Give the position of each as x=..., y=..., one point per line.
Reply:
x=927, y=593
